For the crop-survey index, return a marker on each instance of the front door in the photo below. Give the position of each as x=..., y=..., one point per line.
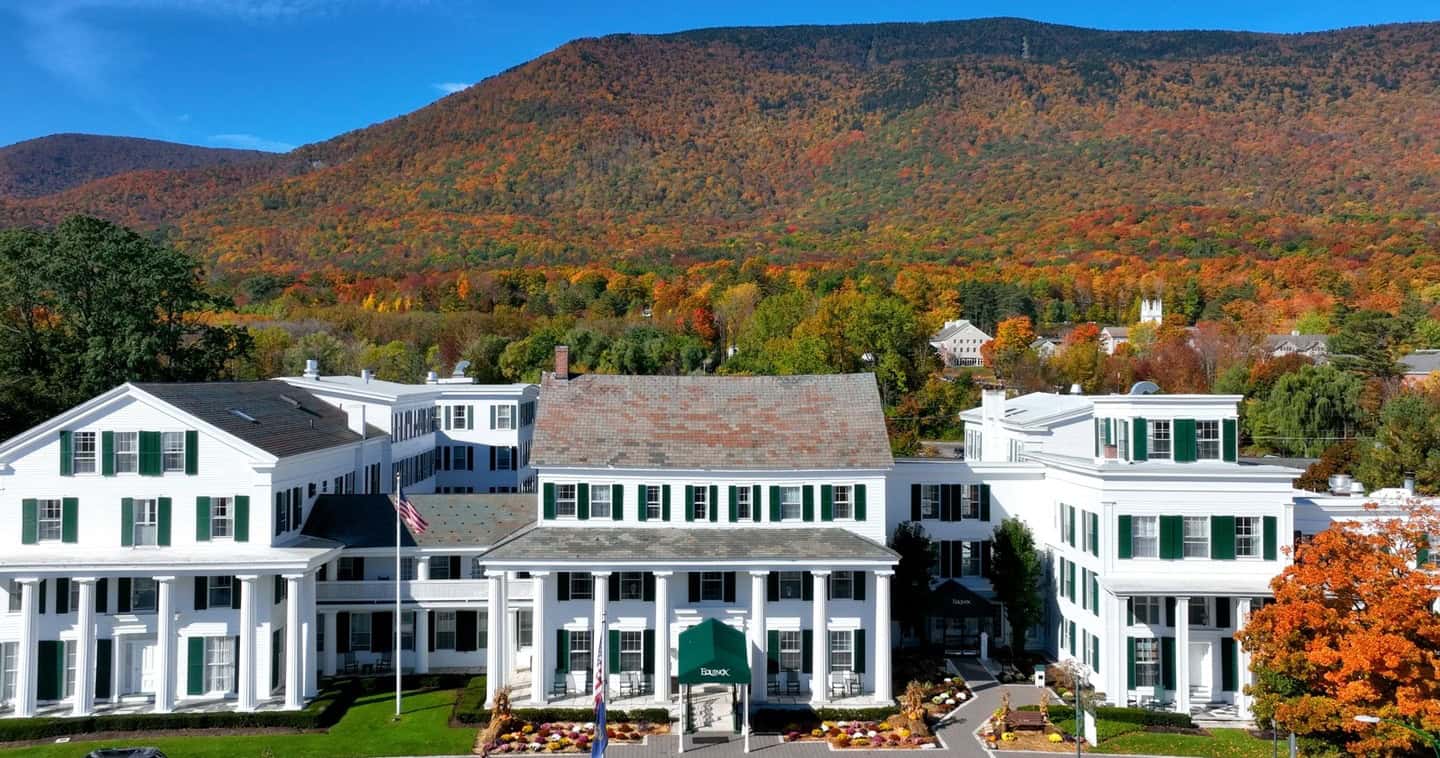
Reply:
x=1200, y=671
x=140, y=674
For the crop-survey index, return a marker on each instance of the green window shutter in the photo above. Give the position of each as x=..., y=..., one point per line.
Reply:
x=808, y=503
x=984, y=502
x=104, y=655
x=772, y=651
x=1172, y=537
x=755, y=503
x=1095, y=653
x=807, y=652
x=582, y=501
x=648, y=646
x=66, y=453
x=195, y=666
x=665, y=502
x=714, y=502
x=1222, y=537
x=29, y=521
x=1130, y=661
x=1123, y=537
x=612, y=657
x=1229, y=440
x=859, y=651
x=617, y=502
x=150, y=459
x=1422, y=551
x=774, y=503
x=549, y=500
x=1185, y=447
x=734, y=504
x=1097, y=438
x=1228, y=669
x=127, y=522
x=1140, y=444
x=1271, y=546
x=1072, y=639
x=1095, y=594
x=1167, y=662
x=50, y=664
x=1070, y=527
x=162, y=530
x=202, y=519
x=242, y=518
x=642, y=502
x=860, y=504
x=69, y=520
x=1109, y=429
x=827, y=502
x=192, y=452
x=1095, y=534
x=689, y=502
x=107, y=453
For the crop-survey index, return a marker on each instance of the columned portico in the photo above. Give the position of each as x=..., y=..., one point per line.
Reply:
x=757, y=635
x=27, y=677
x=662, y=636
x=820, y=623
x=600, y=623
x=1182, y=654
x=84, y=699
x=493, y=608
x=882, y=636
x=294, y=639
x=422, y=640
x=539, y=661
x=245, y=688
x=165, y=643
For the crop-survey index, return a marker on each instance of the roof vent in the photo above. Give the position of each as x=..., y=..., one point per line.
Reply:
x=243, y=415
x=312, y=369
x=366, y=375
x=291, y=401
x=460, y=368
x=1145, y=388
x=1076, y=390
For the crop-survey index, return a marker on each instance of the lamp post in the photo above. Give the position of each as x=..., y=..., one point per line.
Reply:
x=1429, y=738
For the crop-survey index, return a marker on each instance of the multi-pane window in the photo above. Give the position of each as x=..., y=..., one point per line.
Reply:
x=701, y=495
x=222, y=517
x=842, y=585
x=407, y=569
x=842, y=505
x=82, y=453
x=929, y=501
x=1247, y=536
x=632, y=651
x=1159, y=439
x=220, y=591
x=712, y=586
x=632, y=585
x=70, y=650
x=142, y=595
x=842, y=651
x=1207, y=440
x=1199, y=611
x=580, y=651
x=51, y=517
x=457, y=416
x=1147, y=609
x=1122, y=438
x=970, y=558
x=12, y=588
x=1147, y=662
x=565, y=501
x=524, y=628
x=1145, y=536
x=1197, y=536
x=172, y=449
x=477, y=569
x=219, y=664
x=582, y=586
x=74, y=597
x=440, y=567
x=351, y=569
x=9, y=667
x=743, y=504
x=790, y=504
x=444, y=630
x=504, y=417
x=359, y=631
x=652, y=502
x=502, y=458
x=599, y=501
x=127, y=452
x=790, y=651
x=970, y=501
x=407, y=630
x=792, y=585
x=147, y=521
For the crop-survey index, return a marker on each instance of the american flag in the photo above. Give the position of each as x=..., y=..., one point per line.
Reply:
x=409, y=513
x=597, y=748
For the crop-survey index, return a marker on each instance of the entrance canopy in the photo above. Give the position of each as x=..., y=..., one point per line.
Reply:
x=713, y=653
x=954, y=600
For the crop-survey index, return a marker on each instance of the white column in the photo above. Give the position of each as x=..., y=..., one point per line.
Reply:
x=331, y=642
x=165, y=643
x=662, y=635
x=247, y=699
x=600, y=582
x=422, y=568
x=422, y=640
x=1117, y=673
x=1182, y=654
x=758, y=596
x=312, y=656
x=819, y=624
x=540, y=673
x=882, y=636
x=492, y=637
x=1242, y=700
x=117, y=666
x=502, y=642
x=294, y=640
x=27, y=678
x=84, y=700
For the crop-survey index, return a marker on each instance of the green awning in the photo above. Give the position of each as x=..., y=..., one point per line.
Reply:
x=713, y=653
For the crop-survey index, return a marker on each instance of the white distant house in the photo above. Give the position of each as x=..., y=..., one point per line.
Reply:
x=1112, y=337
x=1418, y=365
x=958, y=343
x=1313, y=346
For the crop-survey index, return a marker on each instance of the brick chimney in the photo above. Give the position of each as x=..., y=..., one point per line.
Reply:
x=562, y=361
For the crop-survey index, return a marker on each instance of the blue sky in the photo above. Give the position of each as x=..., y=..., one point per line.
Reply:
x=272, y=74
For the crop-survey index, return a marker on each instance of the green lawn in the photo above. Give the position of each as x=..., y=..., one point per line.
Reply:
x=1223, y=743
x=366, y=730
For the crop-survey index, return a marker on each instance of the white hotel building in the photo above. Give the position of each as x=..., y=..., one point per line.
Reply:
x=227, y=544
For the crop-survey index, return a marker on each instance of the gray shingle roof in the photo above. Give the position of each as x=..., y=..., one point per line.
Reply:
x=277, y=418
x=679, y=545
x=455, y=520
x=831, y=421
x=1421, y=362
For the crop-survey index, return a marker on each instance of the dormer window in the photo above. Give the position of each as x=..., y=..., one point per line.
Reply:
x=565, y=501
x=1159, y=434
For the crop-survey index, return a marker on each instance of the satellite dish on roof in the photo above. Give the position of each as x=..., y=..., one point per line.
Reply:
x=460, y=368
x=1145, y=388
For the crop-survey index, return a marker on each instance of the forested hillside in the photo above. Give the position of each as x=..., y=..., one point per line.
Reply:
x=52, y=164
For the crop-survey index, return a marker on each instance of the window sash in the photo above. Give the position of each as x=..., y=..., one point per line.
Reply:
x=842, y=585
x=842, y=651
x=1207, y=440
x=566, y=500
x=970, y=559
x=127, y=452
x=1159, y=441
x=1147, y=610
x=219, y=591
x=222, y=518
x=142, y=595
x=792, y=585
x=50, y=520
x=1199, y=611
x=700, y=501
x=841, y=505
x=502, y=458
x=580, y=651
x=632, y=585
x=582, y=586
x=1197, y=537
x=359, y=631
x=742, y=503
x=9, y=670
x=712, y=586
x=1147, y=662
x=444, y=630
x=930, y=501
x=69, y=668
x=653, y=502
x=790, y=651
x=1247, y=536
x=632, y=651
x=82, y=453
x=524, y=628
x=504, y=417
x=1145, y=536
x=219, y=664
x=147, y=522
x=790, y=504
x=457, y=416
x=477, y=569
x=599, y=501
x=172, y=445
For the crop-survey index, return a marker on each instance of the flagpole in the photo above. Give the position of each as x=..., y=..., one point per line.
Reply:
x=399, y=620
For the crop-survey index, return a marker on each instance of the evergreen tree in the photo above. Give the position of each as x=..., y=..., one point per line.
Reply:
x=1015, y=575
x=910, y=593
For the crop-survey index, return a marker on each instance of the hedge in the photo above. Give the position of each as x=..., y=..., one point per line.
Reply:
x=1139, y=716
x=470, y=709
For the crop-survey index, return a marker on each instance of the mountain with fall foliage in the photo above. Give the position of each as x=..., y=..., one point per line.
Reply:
x=48, y=165
x=987, y=140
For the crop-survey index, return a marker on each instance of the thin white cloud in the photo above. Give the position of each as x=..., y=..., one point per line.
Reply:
x=451, y=88
x=250, y=142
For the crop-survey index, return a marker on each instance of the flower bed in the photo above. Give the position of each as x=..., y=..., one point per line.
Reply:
x=568, y=736
x=868, y=735
x=945, y=695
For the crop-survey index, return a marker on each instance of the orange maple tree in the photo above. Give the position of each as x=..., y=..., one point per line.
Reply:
x=1353, y=631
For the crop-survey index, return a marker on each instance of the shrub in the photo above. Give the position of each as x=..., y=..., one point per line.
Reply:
x=1064, y=716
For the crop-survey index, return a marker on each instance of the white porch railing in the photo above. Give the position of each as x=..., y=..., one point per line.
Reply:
x=431, y=590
